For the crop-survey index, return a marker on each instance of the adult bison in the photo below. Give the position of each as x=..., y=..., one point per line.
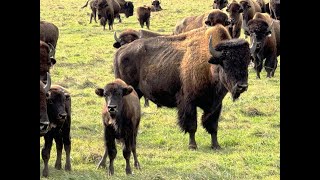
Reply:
x=210, y=18
x=59, y=113
x=144, y=13
x=44, y=119
x=250, y=7
x=49, y=33
x=93, y=7
x=264, y=35
x=234, y=9
x=274, y=8
x=219, y=4
x=107, y=10
x=126, y=7
x=46, y=60
x=175, y=72
x=121, y=117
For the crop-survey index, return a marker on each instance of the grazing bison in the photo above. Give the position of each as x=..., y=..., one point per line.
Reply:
x=107, y=11
x=265, y=42
x=250, y=7
x=121, y=118
x=46, y=60
x=49, y=33
x=156, y=6
x=44, y=119
x=274, y=8
x=219, y=4
x=93, y=7
x=144, y=13
x=209, y=18
x=59, y=112
x=234, y=9
x=126, y=7
x=175, y=72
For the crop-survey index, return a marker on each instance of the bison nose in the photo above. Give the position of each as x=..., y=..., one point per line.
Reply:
x=62, y=116
x=112, y=108
x=242, y=87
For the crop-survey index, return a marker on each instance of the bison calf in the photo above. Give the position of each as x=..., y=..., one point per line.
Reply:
x=59, y=113
x=144, y=14
x=234, y=9
x=121, y=118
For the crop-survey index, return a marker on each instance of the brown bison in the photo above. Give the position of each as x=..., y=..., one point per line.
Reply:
x=121, y=118
x=59, y=112
x=46, y=60
x=144, y=13
x=156, y=5
x=264, y=35
x=93, y=7
x=262, y=5
x=174, y=72
x=127, y=8
x=234, y=9
x=44, y=119
x=274, y=8
x=107, y=10
x=250, y=7
x=219, y=4
x=210, y=18
x=49, y=33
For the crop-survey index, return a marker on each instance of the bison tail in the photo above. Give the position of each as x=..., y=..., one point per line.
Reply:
x=85, y=5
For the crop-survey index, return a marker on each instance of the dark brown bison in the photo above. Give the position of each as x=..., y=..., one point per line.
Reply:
x=250, y=7
x=49, y=33
x=234, y=9
x=219, y=4
x=121, y=118
x=144, y=13
x=107, y=10
x=156, y=5
x=44, y=119
x=127, y=8
x=59, y=112
x=46, y=60
x=210, y=18
x=264, y=35
x=175, y=72
x=274, y=8
x=93, y=7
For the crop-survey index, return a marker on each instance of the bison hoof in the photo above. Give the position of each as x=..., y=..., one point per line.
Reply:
x=193, y=147
x=111, y=172
x=67, y=167
x=45, y=173
x=216, y=147
x=128, y=171
x=57, y=166
x=137, y=165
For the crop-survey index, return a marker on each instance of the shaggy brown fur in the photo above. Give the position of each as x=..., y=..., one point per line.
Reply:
x=175, y=72
x=219, y=4
x=144, y=13
x=107, y=11
x=274, y=8
x=209, y=18
x=235, y=13
x=49, y=33
x=250, y=7
x=121, y=117
x=155, y=6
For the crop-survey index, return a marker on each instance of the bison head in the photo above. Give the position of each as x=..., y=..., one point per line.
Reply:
x=217, y=17
x=101, y=7
x=46, y=61
x=156, y=5
x=125, y=38
x=44, y=119
x=128, y=9
x=233, y=56
x=219, y=4
x=56, y=104
x=234, y=9
x=113, y=94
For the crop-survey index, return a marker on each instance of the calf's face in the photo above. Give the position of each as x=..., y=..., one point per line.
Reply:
x=234, y=10
x=220, y=4
x=113, y=94
x=56, y=103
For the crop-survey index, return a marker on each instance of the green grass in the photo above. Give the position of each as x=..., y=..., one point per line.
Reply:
x=248, y=128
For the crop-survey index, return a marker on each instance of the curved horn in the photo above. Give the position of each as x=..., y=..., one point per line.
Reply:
x=270, y=27
x=51, y=50
x=253, y=46
x=212, y=50
x=48, y=85
x=116, y=38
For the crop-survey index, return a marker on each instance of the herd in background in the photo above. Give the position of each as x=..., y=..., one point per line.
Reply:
x=197, y=65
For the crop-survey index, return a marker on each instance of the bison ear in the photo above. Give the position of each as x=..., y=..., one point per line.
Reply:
x=116, y=45
x=214, y=60
x=127, y=90
x=207, y=22
x=99, y=92
x=53, y=61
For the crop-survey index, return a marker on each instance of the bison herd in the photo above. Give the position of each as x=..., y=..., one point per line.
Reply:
x=195, y=66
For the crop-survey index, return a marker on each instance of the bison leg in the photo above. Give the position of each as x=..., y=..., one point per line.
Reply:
x=148, y=23
x=257, y=65
x=187, y=114
x=112, y=152
x=210, y=123
x=126, y=151
x=270, y=65
x=141, y=23
x=136, y=162
x=59, y=147
x=67, y=149
x=146, y=102
x=46, y=154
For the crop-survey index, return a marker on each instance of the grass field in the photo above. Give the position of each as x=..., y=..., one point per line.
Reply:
x=249, y=129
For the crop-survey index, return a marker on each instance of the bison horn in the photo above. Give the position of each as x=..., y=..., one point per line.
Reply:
x=51, y=50
x=116, y=38
x=48, y=85
x=213, y=51
x=253, y=45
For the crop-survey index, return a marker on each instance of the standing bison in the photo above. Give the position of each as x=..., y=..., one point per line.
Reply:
x=190, y=70
x=234, y=9
x=144, y=13
x=264, y=35
x=93, y=7
x=44, y=119
x=121, y=117
x=49, y=33
x=107, y=11
x=249, y=7
x=126, y=7
x=209, y=18
x=59, y=113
